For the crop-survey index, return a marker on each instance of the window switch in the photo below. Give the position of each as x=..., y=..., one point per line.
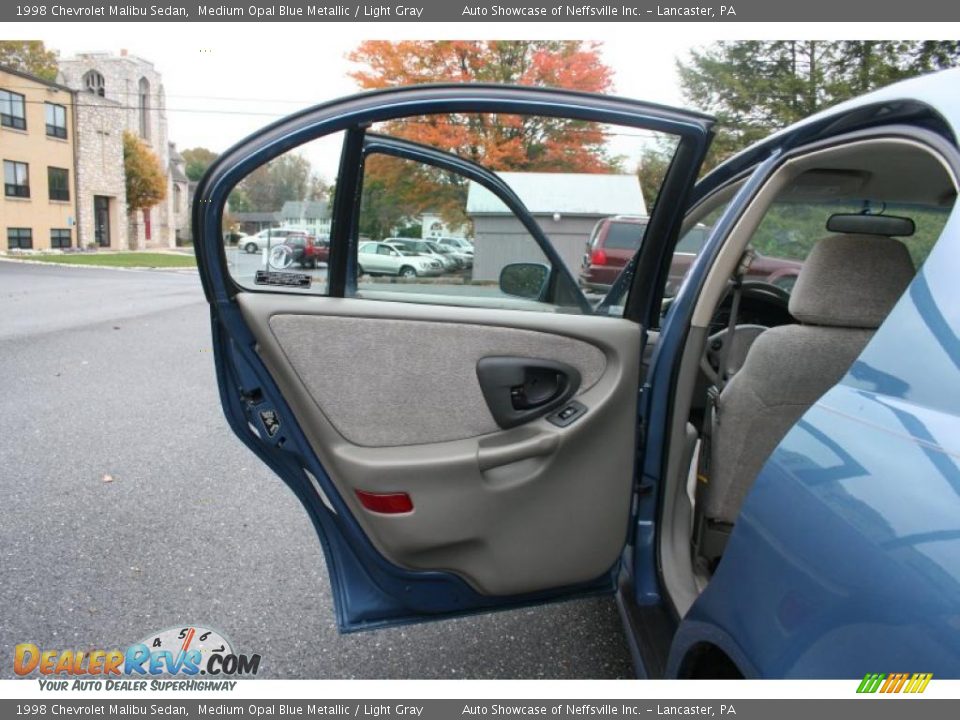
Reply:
x=568, y=414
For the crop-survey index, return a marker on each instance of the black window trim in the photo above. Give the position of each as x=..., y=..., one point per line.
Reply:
x=10, y=120
x=58, y=235
x=54, y=130
x=22, y=234
x=62, y=194
x=19, y=191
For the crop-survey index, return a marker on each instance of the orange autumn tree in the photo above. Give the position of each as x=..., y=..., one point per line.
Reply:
x=500, y=142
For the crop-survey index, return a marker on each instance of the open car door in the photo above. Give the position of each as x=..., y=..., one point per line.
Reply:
x=461, y=427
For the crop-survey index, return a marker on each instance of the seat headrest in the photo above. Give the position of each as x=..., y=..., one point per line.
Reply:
x=851, y=281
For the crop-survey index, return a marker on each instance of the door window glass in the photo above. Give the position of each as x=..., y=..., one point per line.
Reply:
x=276, y=227
x=584, y=199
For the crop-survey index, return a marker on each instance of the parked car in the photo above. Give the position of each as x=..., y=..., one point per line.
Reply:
x=427, y=249
x=615, y=240
x=381, y=258
x=456, y=243
x=459, y=245
x=463, y=258
x=312, y=250
x=268, y=237
x=766, y=482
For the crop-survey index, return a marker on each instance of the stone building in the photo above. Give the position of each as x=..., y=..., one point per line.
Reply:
x=179, y=196
x=131, y=89
x=101, y=184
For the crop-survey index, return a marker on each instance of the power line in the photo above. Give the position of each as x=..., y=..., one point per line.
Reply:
x=191, y=97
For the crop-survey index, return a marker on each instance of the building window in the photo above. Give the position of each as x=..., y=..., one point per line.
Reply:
x=58, y=183
x=146, y=224
x=56, y=121
x=60, y=239
x=177, y=200
x=12, y=110
x=144, y=95
x=16, y=179
x=93, y=82
x=19, y=238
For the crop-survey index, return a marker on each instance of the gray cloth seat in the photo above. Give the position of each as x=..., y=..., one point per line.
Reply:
x=847, y=286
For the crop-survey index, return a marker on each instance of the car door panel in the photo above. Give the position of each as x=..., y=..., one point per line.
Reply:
x=499, y=517
x=509, y=511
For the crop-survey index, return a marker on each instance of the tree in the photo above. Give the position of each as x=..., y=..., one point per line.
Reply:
x=499, y=142
x=197, y=161
x=652, y=169
x=266, y=189
x=29, y=56
x=755, y=87
x=395, y=192
x=146, y=180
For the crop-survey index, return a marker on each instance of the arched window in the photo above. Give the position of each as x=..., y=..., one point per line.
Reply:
x=93, y=82
x=176, y=198
x=144, y=97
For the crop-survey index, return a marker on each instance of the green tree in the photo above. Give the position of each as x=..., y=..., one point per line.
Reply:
x=266, y=189
x=29, y=56
x=197, y=161
x=755, y=87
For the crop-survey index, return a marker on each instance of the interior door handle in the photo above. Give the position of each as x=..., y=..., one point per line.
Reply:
x=519, y=389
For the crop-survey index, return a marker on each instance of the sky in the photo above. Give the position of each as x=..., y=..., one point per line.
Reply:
x=225, y=81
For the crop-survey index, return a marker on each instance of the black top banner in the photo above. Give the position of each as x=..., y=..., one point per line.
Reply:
x=446, y=11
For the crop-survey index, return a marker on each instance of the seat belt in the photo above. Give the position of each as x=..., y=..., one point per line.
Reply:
x=711, y=411
x=723, y=371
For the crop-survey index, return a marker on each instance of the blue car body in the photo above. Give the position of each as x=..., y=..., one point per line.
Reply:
x=847, y=551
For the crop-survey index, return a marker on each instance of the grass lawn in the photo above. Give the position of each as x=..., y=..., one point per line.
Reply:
x=119, y=259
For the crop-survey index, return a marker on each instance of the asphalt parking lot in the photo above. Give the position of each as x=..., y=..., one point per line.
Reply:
x=128, y=506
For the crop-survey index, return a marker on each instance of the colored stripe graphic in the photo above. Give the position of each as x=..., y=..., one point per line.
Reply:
x=894, y=683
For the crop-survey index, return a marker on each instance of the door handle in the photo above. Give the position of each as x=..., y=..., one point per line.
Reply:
x=519, y=389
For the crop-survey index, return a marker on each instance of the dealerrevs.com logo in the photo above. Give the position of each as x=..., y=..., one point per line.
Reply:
x=909, y=683
x=183, y=652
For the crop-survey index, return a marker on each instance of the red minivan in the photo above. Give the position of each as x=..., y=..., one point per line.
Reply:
x=615, y=240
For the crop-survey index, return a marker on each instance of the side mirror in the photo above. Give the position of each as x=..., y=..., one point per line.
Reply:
x=526, y=280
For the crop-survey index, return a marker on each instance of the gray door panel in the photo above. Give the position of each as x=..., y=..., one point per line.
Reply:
x=388, y=396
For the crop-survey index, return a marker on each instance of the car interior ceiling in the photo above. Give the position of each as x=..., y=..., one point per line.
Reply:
x=758, y=356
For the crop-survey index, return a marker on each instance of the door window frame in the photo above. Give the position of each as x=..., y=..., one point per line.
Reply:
x=354, y=114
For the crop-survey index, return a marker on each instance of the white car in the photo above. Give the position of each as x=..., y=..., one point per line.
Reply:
x=427, y=249
x=461, y=244
x=380, y=258
x=268, y=237
x=463, y=257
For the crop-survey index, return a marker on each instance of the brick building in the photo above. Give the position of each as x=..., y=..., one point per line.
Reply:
x=38, y=150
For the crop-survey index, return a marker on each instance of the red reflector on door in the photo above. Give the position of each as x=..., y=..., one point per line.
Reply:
x=386, y=503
